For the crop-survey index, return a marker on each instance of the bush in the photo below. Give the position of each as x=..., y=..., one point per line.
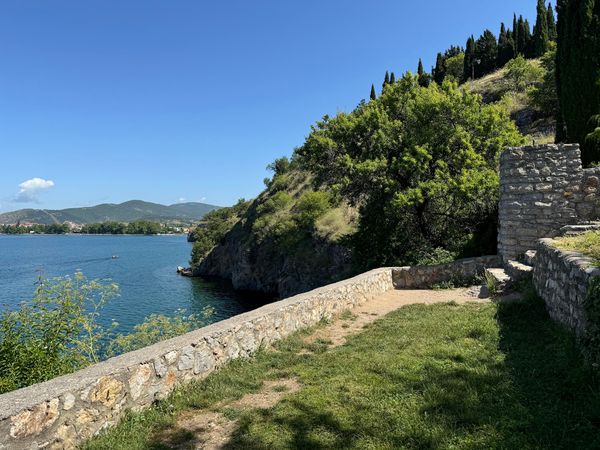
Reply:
x=58, y=331
x=311, y=206
x=156, y=328
x=522, y=74
x=591, y=339
x=55, y=333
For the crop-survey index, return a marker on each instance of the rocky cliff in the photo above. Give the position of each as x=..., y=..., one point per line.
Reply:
x=270, y=250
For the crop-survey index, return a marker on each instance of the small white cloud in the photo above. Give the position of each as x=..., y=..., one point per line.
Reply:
x=30, y=189
x=202, y=199
x=180, y=200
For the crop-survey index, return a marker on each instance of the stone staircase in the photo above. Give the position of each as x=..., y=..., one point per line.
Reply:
x=513, y=272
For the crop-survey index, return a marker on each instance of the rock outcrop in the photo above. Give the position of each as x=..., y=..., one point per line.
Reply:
x=262, y=266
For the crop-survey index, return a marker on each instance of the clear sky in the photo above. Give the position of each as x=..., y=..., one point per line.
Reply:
x=165, y=100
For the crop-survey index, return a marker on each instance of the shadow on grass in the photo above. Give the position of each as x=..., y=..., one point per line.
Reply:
x=534, y=392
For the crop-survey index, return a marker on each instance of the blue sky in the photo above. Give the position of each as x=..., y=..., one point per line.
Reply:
x=112, y=100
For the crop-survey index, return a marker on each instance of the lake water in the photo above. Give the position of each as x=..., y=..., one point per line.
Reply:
x=145, y=271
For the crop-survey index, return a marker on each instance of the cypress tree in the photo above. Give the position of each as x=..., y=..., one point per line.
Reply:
x=373, y=93
x=578, y=73
x=515, y=34
x=469, y=68
x=392, y=78
x=420, y=70
x=540, y=30
x=551, y=21
x=506, y=50
x=439, y=73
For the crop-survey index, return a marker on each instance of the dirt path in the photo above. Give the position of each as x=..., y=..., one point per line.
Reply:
x=211, y=430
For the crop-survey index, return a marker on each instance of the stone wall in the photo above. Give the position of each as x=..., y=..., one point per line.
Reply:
x=458, y=272
x=67, y=410
x=561, y=278
x=542, y=189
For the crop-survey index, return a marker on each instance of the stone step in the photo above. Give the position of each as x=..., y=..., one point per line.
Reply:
x=496, y=280
x=518, y=271
x=574, y=230
x=530, y=257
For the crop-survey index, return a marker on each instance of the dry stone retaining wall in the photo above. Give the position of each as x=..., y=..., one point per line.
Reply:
x=542, y=189
x=425, y=277
x=562, y=278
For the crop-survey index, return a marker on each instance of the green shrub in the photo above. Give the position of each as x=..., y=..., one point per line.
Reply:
x=58, y=331
x=310, y=206
x=156, y=328
x=522, y=74
x=55, y=333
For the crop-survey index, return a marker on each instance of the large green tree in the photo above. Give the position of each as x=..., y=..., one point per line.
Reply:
x=506, y=46
x=540, y=30
x=421, y=164
x=486, y=53
x=551, y=21
x=578, y=73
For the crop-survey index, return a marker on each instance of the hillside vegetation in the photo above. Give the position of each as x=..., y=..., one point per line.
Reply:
x=108, y=212
x=407, y=178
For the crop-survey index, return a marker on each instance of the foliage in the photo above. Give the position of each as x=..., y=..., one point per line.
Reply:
x=213, y=227
x=445, y=376
x=136, y=227
x=486, y=54
x=578, y=71
x=541, y=32
x=455, y=67
x=310, y=206
x=506, y=47
x=421, y=165
x=522, y=74
x=59, y=331
x=55, y=333
x=156, y=328
x=54, y=228
x=544, y=97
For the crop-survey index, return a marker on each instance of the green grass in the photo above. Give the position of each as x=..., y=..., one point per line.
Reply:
x=443, y=376
x=586, y=243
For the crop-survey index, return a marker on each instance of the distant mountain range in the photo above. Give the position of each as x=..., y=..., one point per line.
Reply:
x=123, y=212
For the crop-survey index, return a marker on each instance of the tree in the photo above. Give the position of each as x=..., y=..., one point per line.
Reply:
x=486, y=53
x=392, y=78
x=544, y=97
x=506, y=47
x=455, y=67
x=578, y=72
x=523, y=42
x=373, y=93
x=421, y=166
x=386, y=80
x=469, y=61
x=515, y=35
x=540, y=30
x=420, y=70
x=551, y=21
x=439, y=73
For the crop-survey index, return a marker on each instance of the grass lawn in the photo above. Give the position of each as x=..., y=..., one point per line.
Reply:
x=586, y=243
x=444, y=376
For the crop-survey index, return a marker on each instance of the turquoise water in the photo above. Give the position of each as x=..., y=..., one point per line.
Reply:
x=145, y=271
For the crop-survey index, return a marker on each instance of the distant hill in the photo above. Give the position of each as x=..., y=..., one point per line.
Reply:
x=123, y=212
